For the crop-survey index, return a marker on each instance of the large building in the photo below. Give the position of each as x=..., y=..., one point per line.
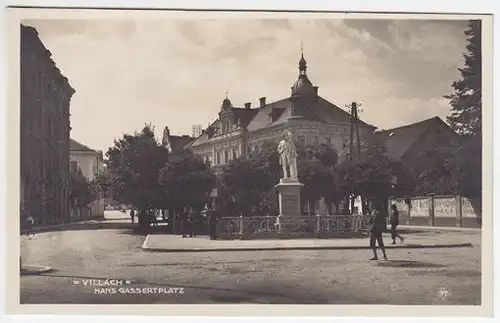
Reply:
x=406, y=143
x=90, y=164
x=45, y=127
x=86, y=160
x=312, y=119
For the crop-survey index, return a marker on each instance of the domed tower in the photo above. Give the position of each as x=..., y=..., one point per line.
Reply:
x=226, y=116
x=303, y=86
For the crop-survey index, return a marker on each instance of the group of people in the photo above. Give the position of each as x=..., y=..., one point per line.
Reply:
x=191, y=221
x=378, y=226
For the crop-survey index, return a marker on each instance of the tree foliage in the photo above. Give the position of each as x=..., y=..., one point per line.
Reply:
x=249, y=182
x=81, y=192
x=466, y=101
x=316, y=167
x=133, y=166
x=373, y=175
x=466, y=115
x=186, y=180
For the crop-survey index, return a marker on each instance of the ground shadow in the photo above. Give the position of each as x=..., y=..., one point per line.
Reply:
x=409, y=264
x=33, y=273
x=447, y=273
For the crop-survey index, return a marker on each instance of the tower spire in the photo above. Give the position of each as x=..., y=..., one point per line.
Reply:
x=302, y=62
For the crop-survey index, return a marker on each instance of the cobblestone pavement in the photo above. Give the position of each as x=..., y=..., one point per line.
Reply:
x=423, y=277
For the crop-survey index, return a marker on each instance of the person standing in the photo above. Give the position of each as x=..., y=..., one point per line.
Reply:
x=132, y=215
x=30, y=222
x=185, y=222
x=212, y=222
x=193, y=223
x=377, y=226
x=394, y=220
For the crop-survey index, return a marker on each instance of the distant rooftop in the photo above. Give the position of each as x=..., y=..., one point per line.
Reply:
x=76, y=146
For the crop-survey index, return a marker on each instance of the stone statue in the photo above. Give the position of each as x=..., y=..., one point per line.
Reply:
x=288, y=155
x=166, y=139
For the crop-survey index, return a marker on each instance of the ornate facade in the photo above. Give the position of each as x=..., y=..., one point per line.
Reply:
x=45, y=128
x=311, y=119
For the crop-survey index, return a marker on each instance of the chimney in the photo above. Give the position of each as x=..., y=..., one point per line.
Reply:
x=316, y=90
x=247, y=105
x=262, y=101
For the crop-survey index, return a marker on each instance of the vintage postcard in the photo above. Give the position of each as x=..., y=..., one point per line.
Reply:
x=249, y=163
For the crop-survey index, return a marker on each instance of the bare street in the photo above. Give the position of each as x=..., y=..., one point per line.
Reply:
x=452, y=275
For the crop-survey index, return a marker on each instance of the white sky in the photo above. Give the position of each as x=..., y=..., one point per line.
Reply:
x=175, y=72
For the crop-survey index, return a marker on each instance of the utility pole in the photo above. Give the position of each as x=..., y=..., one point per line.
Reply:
x=354, y=131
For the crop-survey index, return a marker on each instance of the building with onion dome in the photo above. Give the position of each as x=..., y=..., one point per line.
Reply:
x=312, y=119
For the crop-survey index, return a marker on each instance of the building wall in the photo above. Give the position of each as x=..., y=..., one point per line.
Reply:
x=45, y=126
x=435, y=136
x=439, y=211
x=240, y=143
x=88, y=162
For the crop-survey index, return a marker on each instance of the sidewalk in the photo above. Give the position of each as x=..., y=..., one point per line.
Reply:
x=171, y=243
x=431, y=228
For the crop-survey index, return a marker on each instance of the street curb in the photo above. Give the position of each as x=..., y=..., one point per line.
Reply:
x=409, y=246
x=444, y=229
x=145, y=243
x=34, y=269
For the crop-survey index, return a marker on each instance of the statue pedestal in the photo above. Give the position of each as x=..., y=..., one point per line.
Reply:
x=289, y=202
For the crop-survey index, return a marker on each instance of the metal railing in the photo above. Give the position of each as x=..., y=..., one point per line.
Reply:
x=290, y=226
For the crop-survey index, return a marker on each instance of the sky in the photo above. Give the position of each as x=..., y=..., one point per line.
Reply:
x=175, y=72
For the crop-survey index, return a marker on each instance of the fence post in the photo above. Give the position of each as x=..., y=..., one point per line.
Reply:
x=458, y=209
x=431, y=211
x=241, y=225
x=318, y=223
x=409, y=211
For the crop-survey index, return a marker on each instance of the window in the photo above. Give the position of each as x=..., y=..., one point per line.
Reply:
x=235, y=154
x=328, y=141
x=302, y=140
x=74, y=166
x=217, y=158
x=316, y=140
x=226, y=157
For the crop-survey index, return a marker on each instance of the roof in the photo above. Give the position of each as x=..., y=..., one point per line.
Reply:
x=399, y=140
x=318, y=110
x=179, y=142
x=76, y=146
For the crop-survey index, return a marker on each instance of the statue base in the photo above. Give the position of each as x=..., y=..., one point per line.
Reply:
x=289, y=202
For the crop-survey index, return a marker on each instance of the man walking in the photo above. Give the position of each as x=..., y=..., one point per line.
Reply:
x=394, y=220
x=377, y=226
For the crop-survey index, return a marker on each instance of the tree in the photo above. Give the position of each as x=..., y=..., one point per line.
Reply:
x=372, y=175
x=438, y=171
x=186, y=180
x=466, y=113
x=249, y=182
x=316, y=166
x=133, y=166
x=465, y=116
x=81, y=192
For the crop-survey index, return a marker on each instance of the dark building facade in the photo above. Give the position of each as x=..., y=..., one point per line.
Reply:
x=44, y=137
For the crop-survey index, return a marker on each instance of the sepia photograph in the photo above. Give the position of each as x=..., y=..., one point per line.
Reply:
x=252, y=158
